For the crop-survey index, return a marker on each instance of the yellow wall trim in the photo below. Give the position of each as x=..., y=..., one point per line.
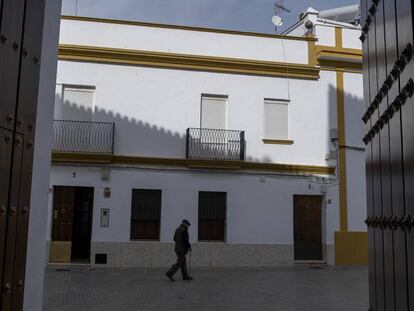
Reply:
x=186, y=61
x=351, y=248
x=338, y=37
x=278, y=141
x=60, y=251
x=340, y=66
x=331, y=58
x=351, y=55
x=87, y=158
x=312, y=61
x=189, y=28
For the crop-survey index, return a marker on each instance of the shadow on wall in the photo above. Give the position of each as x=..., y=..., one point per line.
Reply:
x=132, y=137
x=353, y=111
x=137, y=138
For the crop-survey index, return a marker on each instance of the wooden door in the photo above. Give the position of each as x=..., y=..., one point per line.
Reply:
x=21, y=28
x=389, y=131
x=62, y=218
x=307, y=218
x=405, y=35
x=5, y=163
x=71, y=223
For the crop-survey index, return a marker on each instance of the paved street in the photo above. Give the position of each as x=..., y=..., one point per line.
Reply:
x=298, y=288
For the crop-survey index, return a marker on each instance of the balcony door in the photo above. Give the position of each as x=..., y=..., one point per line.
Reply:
x=214, y=112
x=213, y=134
x=77, y=103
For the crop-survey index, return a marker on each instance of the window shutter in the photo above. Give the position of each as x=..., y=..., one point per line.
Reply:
x=213, y=112
x=276, y=120
x=78, y=104
x=145, y=214
x=211, y=216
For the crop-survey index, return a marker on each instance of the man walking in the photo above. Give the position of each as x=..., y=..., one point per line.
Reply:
x=182, y=246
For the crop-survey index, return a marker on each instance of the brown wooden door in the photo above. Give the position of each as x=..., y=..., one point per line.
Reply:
x=72, y=219
x=62, y=218
x=307, y=217
x=5, y=162
x=389, y=133
x=405, y=35
x=21, y=28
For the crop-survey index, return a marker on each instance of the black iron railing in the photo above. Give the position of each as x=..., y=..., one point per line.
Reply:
x=83, y=136
x=215, y=144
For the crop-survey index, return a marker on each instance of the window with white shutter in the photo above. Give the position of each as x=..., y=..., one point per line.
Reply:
x=214, y=112
x=276, y=119
x=78, y=103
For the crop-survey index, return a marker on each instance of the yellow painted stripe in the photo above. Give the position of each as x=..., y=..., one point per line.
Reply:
x=186, y=61
x=105, y=159
x=338, y=37
x=312, y=54
x=278, y=141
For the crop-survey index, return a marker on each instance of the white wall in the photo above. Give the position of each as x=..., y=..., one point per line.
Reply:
x=153, y=107
x=325, y=35
x=36, y=249
x=183, y=41
x=350, y=38
x=257, y=212
x=356, y=186
x=354, y=106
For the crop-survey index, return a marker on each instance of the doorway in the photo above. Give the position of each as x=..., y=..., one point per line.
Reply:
x=71, y=224
x=307, y=227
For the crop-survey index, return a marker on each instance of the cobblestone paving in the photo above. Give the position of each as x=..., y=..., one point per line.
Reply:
x=298, y=288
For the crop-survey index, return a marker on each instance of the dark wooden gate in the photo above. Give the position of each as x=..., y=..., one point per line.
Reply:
x=307, y=217
x=387, y=36
x=21, y=29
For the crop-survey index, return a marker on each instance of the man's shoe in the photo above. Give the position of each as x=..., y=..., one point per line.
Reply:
x=188, y=278
x=169, y=277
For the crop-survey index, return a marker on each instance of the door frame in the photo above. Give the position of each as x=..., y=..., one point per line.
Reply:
x=323, y=229
x=65, y=247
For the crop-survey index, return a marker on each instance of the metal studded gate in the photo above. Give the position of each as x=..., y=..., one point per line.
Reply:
x=21, y=29
x=387, y=36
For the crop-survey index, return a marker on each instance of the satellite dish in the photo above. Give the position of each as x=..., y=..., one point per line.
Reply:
x=277, y=20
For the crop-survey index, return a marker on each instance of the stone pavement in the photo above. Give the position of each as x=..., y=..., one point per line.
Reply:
x=300, y=288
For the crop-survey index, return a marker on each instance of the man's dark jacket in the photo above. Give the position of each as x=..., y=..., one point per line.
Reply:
x=182, y=245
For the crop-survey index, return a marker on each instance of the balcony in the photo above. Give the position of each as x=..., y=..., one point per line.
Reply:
x=83, y=136
x=215, y=144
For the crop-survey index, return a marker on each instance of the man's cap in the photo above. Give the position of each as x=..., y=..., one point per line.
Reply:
x=186, y=222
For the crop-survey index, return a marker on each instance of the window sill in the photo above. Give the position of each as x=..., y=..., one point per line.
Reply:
x=212, y=241
x=144, y=240
x=278, y=141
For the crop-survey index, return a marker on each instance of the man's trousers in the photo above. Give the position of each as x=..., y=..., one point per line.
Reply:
x=181, y=263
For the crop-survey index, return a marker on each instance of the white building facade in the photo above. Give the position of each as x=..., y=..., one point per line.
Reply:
x=254, y=138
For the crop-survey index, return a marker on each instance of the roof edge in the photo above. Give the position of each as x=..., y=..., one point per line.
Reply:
x=179, y=27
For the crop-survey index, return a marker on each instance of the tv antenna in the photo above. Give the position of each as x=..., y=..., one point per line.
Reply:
x=279, y=8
